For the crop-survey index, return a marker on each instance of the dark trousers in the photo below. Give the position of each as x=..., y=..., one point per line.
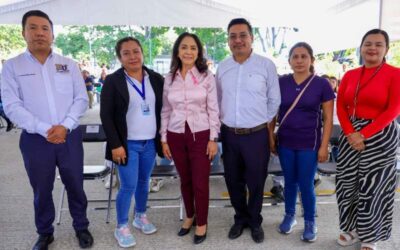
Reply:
x=40, y=159
x=246, y=166
x=189, y=153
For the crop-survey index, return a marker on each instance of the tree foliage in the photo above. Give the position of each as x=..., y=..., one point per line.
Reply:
x=394, y=54
x=97, y=43
x=10, y=40
x=273, y=39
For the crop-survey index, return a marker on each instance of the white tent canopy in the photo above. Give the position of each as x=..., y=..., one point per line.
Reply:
x=327, y=25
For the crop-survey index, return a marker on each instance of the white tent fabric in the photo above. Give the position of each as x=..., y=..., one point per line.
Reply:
x=390, y=18
x=327, y=25
x=193, y=13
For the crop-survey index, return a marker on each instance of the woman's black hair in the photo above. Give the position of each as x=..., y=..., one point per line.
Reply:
x=124, y=40
x=176, y=63
x=309, y=50
x=376, y=31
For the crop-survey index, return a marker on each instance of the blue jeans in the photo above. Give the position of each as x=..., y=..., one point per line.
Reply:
x=299, y=168
x=134, y=178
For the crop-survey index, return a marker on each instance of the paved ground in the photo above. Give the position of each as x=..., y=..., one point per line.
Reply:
x=17, y=230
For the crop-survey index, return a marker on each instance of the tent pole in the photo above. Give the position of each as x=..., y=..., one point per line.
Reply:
x=380, y=13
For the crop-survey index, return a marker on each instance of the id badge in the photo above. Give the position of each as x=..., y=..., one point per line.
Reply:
x=145, y=109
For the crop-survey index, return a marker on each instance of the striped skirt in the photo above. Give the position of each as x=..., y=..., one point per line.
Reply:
x=366, y=183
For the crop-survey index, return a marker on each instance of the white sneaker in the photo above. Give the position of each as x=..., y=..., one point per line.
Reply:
x=156, y=185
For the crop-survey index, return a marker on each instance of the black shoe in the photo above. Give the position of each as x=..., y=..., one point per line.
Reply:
x=183, y=231
x=85, y=238
x=257, y=234
x=9, y=127
x=199, y=238
x=43, y=242
x=235, y=231
x=277, y=193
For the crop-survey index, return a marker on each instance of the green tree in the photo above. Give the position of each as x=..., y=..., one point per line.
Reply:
x=394, y=54
x=73, y=42
x=10, y=39
x=273, y=38
x=97, y=43
x=153, y=40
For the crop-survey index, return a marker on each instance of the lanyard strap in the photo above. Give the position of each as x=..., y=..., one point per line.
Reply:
x=141, y=93
x=295, y=101
x=355, y=101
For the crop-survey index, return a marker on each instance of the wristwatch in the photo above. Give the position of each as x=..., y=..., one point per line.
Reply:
x=215, y=139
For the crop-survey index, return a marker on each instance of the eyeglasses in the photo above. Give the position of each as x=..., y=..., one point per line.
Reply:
x=241, y=36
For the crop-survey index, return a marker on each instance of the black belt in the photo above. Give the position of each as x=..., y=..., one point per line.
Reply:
x=246, y=131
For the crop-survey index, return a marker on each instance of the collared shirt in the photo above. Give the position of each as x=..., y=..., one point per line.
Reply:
x=37, y=96
x=192, y=100
x=140, y=126
x=248, y=93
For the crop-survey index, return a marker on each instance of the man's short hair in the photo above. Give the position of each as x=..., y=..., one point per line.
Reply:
x=38, y=13
x=240, y=21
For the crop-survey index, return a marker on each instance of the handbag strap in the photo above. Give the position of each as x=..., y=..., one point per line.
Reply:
x=295, y=101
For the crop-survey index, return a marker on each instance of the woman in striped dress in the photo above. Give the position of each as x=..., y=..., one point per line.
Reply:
x=368, y=103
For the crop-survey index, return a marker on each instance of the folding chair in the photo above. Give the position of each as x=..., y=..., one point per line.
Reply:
x=92, y=133
x=329, y=168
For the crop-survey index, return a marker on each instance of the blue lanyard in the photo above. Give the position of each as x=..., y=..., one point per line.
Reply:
x=141, y=93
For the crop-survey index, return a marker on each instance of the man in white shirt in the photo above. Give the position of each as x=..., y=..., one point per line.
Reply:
x=44, y=94
x=249, y=97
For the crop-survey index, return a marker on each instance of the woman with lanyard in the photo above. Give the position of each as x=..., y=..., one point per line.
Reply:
x=131, y=102
x=189, y=128
x=303, y=135
x=368, y=103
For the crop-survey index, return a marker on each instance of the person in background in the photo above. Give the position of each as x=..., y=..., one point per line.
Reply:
x=249, y=98
x=2, y=114
x=130, y=107
x=43, y=93
x=189, y=128
x=334, y=83
x=89, y=82
x=10, y=125
x=302, y=138
x=99, y=85
x=368, y=104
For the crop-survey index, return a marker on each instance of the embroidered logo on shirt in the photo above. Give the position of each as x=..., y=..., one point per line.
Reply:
x=62, y=68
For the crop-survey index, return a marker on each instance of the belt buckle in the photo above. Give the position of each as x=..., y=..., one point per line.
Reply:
x=241, y=131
